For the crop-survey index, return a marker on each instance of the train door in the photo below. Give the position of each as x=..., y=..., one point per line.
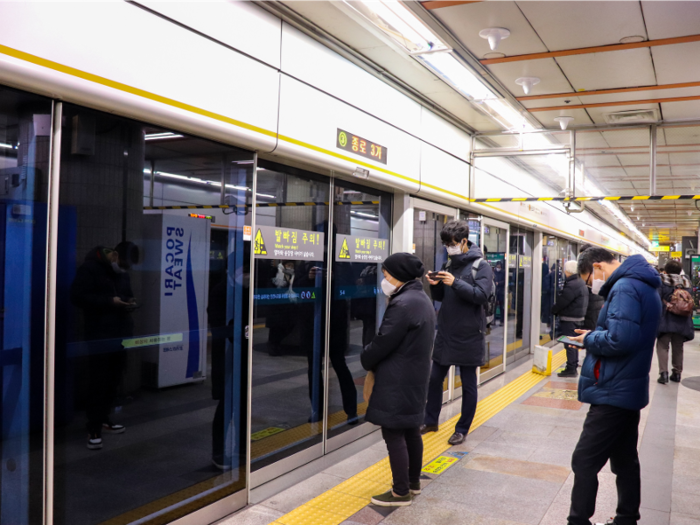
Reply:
x=494, y=244
x=428, y=220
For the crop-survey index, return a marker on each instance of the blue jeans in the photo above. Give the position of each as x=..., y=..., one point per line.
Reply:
x=469, y=396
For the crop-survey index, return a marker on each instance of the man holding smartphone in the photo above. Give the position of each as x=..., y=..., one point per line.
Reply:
x=615, y=381
x=464, y=285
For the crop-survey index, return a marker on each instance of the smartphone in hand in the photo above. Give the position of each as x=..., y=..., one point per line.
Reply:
x=433, y=275
x=564, y=339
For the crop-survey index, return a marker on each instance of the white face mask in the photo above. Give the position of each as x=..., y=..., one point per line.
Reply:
x=597, y=284
x=387, y=287
x=454, y=250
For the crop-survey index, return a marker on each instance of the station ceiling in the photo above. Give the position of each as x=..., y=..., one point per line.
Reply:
x=593, y=59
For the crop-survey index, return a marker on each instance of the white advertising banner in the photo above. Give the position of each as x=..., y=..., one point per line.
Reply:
x=184, y=278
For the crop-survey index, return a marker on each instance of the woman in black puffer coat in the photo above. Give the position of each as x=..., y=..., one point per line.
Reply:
x=399, y=355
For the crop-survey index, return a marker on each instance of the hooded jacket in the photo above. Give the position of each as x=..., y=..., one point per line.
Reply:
x=399, y=355
x=572, y=301
x=461, y=321
x=619, y=352
x=595, y=305
x=672, y=323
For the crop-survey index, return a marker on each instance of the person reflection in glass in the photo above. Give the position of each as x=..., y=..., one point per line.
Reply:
x=281, y=324
x=311, y=275
x=364, y=307
x=102, y=290
x=499, y=277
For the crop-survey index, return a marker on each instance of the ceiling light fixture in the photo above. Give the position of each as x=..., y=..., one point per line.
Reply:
x=455, y=74
x=162, y=136
x=494, y=35
x=527, y=83
x=563, y=121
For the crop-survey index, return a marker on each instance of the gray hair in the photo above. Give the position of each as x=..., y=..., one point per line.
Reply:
x=571, y=267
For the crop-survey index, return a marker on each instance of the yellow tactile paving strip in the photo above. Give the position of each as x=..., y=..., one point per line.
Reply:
x=342, y=501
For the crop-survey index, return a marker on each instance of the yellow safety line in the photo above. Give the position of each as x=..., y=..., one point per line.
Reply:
x=342, y=501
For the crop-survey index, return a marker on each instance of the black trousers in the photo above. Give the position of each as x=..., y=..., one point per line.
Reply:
x=470, y=396
x=569, y=328
x=405, y=447
x=106, y=370
x=609, y=433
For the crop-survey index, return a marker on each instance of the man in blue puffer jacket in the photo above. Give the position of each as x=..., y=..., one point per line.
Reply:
x=615, y=381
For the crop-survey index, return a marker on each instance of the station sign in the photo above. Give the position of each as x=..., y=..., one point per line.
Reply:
x=273, y=242
x=676, y=255
x=351, y=248
x=359, y=146
x=660, y=249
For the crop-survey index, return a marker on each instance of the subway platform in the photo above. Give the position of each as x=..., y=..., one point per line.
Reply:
x=515, y=466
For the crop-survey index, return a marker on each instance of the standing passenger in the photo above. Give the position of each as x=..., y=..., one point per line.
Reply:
x=499, y=278
x=399, y=356
x=571, y=306
x=615, y=381
x=674, y=329
x=464, y=290
x=595, y=301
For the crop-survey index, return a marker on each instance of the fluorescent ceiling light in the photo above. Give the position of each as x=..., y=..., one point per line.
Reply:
x=397, y=21
x=507, y=116
x=242, y=162
x=445, y=65
x=163, y=136
x=8, y=146
x=361, y=214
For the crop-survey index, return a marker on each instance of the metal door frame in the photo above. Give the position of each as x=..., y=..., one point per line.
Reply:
x=493, y=372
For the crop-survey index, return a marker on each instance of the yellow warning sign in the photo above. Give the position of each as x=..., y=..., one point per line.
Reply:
x=257, y=436
x=344, y=250
x=439, y=465
x=260, y=244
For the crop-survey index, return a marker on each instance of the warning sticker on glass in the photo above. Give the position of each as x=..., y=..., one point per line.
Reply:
x=440, y=464
x=351, y=248
x=272, y=242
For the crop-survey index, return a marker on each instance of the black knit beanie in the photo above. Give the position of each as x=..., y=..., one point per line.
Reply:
x=404, y=266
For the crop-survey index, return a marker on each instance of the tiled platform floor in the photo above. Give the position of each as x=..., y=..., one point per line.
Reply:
x=517, y=467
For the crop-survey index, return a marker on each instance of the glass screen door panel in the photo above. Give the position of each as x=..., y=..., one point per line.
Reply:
x=494, y=238
x=361, y=236
x=520, y=293
x=428, y=247
x=289, y=317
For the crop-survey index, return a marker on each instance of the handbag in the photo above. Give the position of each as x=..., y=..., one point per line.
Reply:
x=369, y=386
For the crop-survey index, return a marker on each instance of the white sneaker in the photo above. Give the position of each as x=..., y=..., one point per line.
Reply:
x=94, y=442
x=111, y=428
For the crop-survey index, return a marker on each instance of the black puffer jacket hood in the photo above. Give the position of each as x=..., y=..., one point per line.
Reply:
x=572, y=301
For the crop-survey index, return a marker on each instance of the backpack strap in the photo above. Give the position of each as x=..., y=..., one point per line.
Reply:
x=475, y=268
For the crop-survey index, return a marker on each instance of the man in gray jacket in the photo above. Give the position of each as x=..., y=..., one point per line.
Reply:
x=571, y=306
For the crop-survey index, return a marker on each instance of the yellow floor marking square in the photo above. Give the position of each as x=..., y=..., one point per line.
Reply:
x=265, y=433
x=362, y=488
x=306, y=515
x=338, y=503
x=440, y=464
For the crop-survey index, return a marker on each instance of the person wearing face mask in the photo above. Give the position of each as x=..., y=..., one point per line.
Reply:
x=461, y=332
x=595, y=301
x=570, y=307
x=615, y=381
x=103, y=293
x=399, y=356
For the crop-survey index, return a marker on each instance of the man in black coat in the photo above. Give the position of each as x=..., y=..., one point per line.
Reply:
x=464, y=289
x=571, y=306
x=399, y=356
x=673, y=329
x=595, y=301
x=102, y=290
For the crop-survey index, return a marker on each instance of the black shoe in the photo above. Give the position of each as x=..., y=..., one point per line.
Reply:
x=424, y=429
x=568, y=372
x=415, y=488
x=388, y=499
x=353, y=420
x=457, y=438
x=675, y=377
x=663, y=378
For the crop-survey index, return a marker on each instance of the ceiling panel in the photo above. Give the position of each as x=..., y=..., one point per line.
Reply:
x=616, y=69
x=598, y=114
x=551, y=78
x=670, y=19
x=681, y=110
x=677, y=63
x=633, y=95
x=465, y=22
x=576, y=24
x=548, y=102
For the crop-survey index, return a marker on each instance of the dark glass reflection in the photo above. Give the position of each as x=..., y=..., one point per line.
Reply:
x=25, y=138
x=152, y=308
x=361, y=217
x=289, y=312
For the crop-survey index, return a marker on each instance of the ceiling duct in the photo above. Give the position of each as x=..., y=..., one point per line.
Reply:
x=633, y=116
